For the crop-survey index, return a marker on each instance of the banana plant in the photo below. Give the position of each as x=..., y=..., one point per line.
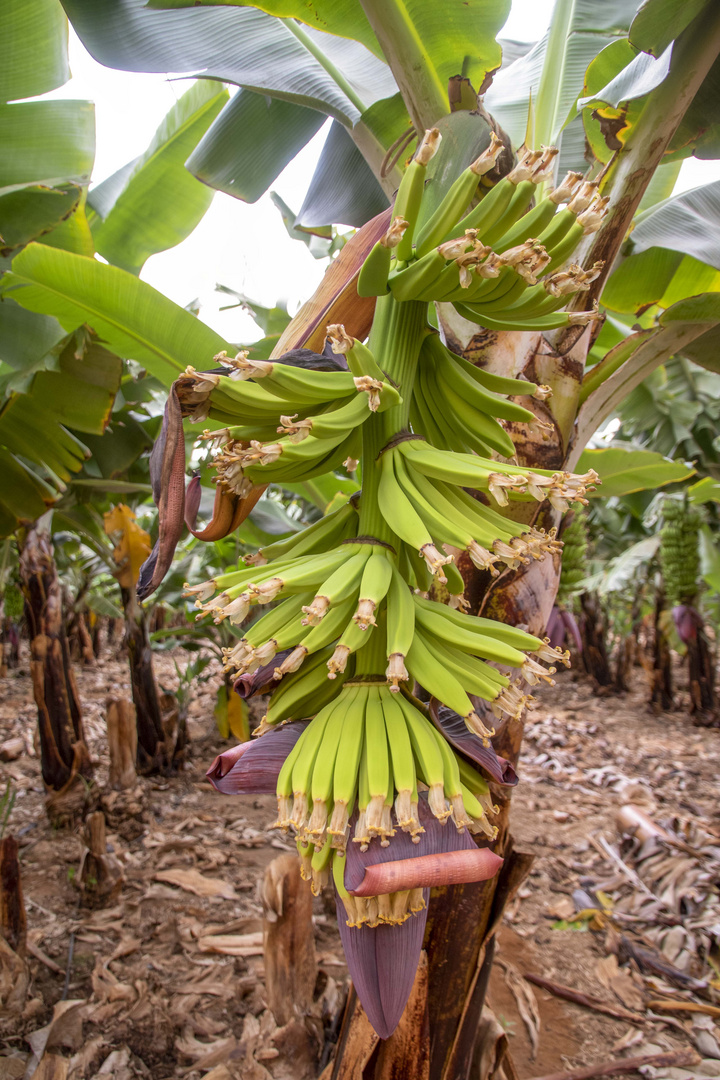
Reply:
x=509, y=259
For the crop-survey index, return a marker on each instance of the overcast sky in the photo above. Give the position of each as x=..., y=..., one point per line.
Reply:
x=240, y=245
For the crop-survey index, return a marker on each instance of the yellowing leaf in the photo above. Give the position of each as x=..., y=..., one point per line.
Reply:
x=132, y=544
x=231, y=714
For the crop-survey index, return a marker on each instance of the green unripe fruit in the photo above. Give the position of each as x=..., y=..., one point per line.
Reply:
x=679, y=552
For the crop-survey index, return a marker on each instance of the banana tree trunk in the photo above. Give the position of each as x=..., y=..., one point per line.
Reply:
x=593, y=629
x=63, y=753
x=463, y=919
x=701, y=677
x=152, y=752
x=661, y=692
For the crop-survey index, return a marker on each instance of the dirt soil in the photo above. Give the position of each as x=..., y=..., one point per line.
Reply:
x=152, y=1001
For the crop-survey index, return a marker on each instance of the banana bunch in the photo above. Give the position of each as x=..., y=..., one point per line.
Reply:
x=348, y=629
x=318, y=414
x=370, y=749
x=501, y=263
x=574, y=558
x=679, y=552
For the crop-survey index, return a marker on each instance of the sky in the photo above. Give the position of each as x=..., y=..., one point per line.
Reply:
x=241, y=245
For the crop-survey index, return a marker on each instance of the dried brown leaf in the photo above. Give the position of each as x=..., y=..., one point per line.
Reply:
x=233, y=944
x=194, y=882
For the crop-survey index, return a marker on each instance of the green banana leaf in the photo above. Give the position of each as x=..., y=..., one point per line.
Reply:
x=251, y=142
x=238, y=45
x=271, y=518
x=73, y=233
x=318, y=240
x=34, y=37
x=27, y=214
x=609, y=117
x=624, y=569
x=157, y=203
x=135, y=320
x=38, y=452
x=705, y=350
x=342, y=17
x=704, y=491
x=658, y=22
x=444, y=28
x=709, y=559
x=659, y=276
x=46, y=142
x=27, y=340
x=641, y=74
x=343, y=188
x=118, y=447
x=426, y=44
x=623, y=470
x=552, y=73
x=688, y=223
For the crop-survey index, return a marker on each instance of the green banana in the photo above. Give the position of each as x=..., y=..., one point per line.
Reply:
x=400, y=627
x=306, y=643
x=320, y=779
x=410, y=192
x=486, y=646
x=429, y=759
x=403, y=519
x=403, y=766
x=433, y=675
x=296, y=383
x=320, y=868
x=456, y=200
x=375, y=583
x=343, y=582
x=477, y=429
x=351, y=640
x=327, y=425
x=325, y=533
x=530, y=224
x=518, y=639
x=471, y=389
x=377, y=759
x=304, y=692
x=348, y=764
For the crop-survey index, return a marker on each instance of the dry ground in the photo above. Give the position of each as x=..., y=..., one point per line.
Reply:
x=153, y=1002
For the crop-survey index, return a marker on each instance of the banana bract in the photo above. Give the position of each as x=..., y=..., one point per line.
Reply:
x=344, y=628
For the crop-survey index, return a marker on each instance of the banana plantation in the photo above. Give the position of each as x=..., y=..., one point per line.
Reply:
x=359, y=707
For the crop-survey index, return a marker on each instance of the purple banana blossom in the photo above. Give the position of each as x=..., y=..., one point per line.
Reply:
x=454, y=728
x=252, y=768
x=560, y=624
x=382, y=960
x=687, y=622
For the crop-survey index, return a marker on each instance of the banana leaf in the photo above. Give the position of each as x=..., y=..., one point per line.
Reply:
x=156, y=202
x=136, y=321
x=623, y=470
x=34, y=37
x=238, y=45
x=251, y=142
x=343, y=188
